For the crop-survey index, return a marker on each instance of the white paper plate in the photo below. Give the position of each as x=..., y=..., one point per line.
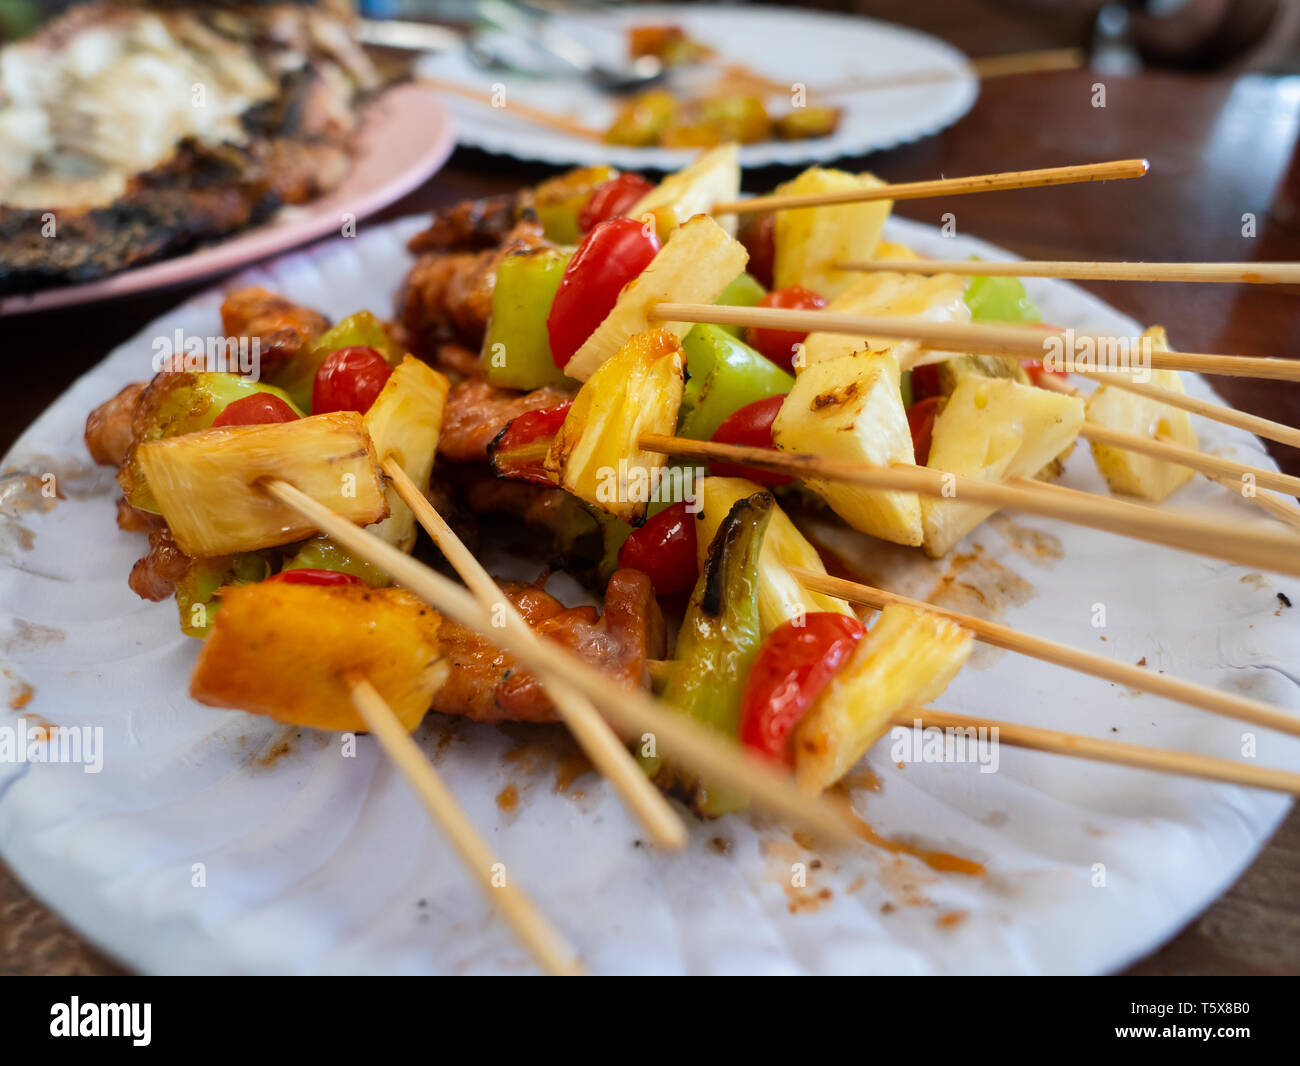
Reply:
x=808, y=47
x=317, y=863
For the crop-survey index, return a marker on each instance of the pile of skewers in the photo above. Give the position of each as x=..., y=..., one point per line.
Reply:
x=776, y=688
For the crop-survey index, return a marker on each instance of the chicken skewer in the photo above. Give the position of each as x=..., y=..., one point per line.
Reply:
x=648, y=804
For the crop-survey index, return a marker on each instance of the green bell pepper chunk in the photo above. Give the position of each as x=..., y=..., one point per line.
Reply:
x=361, y=329
x=745, y=291
x=1000, y=300
x=720, y=637
x=725, y=375
x=321, y=553
x=176, y=404
x=517, y=348
x=196, y=593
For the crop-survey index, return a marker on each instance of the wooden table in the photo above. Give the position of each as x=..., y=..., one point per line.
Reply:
x=1219, y=150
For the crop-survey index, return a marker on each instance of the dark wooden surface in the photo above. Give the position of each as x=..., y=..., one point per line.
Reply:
x=1219, y=150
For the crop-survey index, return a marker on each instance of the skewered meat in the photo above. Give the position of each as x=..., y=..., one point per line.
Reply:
x=472, y=225
x=282, y=328
x=476, y=412
x=155, y=575
x=108, y=429
x=486, y=685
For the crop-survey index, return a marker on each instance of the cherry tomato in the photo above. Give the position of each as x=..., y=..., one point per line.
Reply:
x=664, y=550
x=258, y=409
x=920, y=420
x=308, y=576
x=349, y=380
x=793, y=666
x=750, y=425
x=779, y=344
x=518, y=450
x=1037, y=372
x=612, y=199
x=610, y=256
x=925, y=382
x=759, y=240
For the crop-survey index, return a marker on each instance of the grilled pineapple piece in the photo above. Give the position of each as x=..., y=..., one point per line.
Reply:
x=404, y=421
x=596, y=454
x=1128, y=472
x=203, y=482
x=906, y=660
x=282, y=650
x=811, y=240
x=992, y=429
x=894, y=250
x=696, y=263
x=982, y=366
x=780, y=595
x=937, y=298
x=712, y=179
x=851, y=409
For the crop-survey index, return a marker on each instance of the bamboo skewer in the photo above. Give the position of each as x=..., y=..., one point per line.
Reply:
x=1004, y=341
x=1286, y=510
x=1229, y=416
x=1161, y=760
x=521, y=914
x=631, y=710
x=1227, y=704
x=916, y=190
x=1266, y=549
x=596, y=739
x=1229, y=273
x=1037, y=62
x=561, y=123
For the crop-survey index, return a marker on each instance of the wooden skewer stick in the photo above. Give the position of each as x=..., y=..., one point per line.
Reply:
x=601, y=745
x=1287, y=511
x=1229, y=273
x=562, y=123
x=676, y=737
x=525, y=920
x=1004, y=341
x=1036, y=62
x=1161, y=760
x=1229, y=416
x=1265, y=549
x=917, y=190
x=1202, y=696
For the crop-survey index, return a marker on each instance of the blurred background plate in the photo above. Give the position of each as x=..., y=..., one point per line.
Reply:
x=779, y=43
x=406, y=136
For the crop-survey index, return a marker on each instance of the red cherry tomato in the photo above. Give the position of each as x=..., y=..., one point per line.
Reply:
x=779, y=344
x=1037, y=372
x=349, y=380
x=258, y=409
x=664, y=550
x=791, y=669
x=610, y=256
x=308, y=576
x=612, y=199
x=518, y=450
x=759, y=240
x=925, y=382
x=920, y=420
x=750, y=425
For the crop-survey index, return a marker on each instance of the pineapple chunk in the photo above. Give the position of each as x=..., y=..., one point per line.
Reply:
x=937, y=298
x=811, y=240
x=894, y=250
x=282, y=650
x=404, y=421
x=780, y=595
x=851, y=409
x=1128, y=472
x=203, y=482
x=906, y=660
x=597, y=455
x=696, y=263
x=992, y=429
x=713, y=178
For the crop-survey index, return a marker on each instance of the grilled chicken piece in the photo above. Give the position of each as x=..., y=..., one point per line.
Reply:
x=108, y=429
x=473, y=225
x=476, y=412
x=282, y=328
x=487, y=685
x=155, y=575
x=448, y=295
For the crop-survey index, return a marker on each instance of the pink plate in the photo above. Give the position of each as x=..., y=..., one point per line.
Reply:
x=407, y=135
